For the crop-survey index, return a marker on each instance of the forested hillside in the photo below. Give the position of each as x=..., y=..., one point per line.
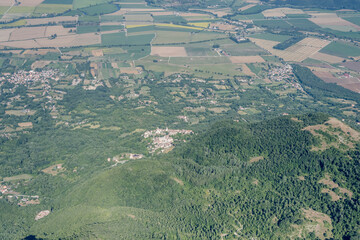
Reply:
x=235, y=180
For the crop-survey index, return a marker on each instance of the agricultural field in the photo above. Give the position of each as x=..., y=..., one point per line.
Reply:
x=341, y=49
x=271, y=37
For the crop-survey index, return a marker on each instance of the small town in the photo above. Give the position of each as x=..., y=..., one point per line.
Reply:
x=162, y=138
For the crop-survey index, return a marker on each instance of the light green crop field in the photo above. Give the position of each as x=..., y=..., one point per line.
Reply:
x=355, y=20
x=164, y=37
x=86, y=3
x=3, y=9
x=200, y=51
x=243, y=49
x=271, y=37
x=341, y=49
x=20, y=9
x=51, y=8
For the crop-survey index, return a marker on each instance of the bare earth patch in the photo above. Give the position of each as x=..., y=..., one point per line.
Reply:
x=246, y=59
x=340, y=131
x=322, y=223
x=246, y=7
x=256, y=159
x=301, y=178
x=97, y=53
x=39, y=64
x=131, y=70
x=178, y=181
x=169, y=51
x=42, y=214
x=25, y=125
x=54, y=169
x=331, y=184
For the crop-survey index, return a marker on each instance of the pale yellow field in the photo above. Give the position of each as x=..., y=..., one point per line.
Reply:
x=20, y=112
x=200, y=24
x=37, y=21
x=97, y=53
x=58, y=30
x=223, y=26
x=30, y=3
x=117, y=13
x=327, y=58
x=246, y=7
x=27, y=33
x=142, y=10
x=39, y=51
x=246, y=59
x=39, y=64
x=190, y=14
x=7, y=2
x=281, y=12
x=25, y=124
x=273, y=13
x=246, y=70
x=21, y=44
x=131, y=70
x=169, y=51
x=162, y=13
x=5, y=34
x=329, y=21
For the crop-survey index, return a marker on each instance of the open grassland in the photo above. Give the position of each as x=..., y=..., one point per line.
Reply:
x=17, y=178
x=341, y=49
